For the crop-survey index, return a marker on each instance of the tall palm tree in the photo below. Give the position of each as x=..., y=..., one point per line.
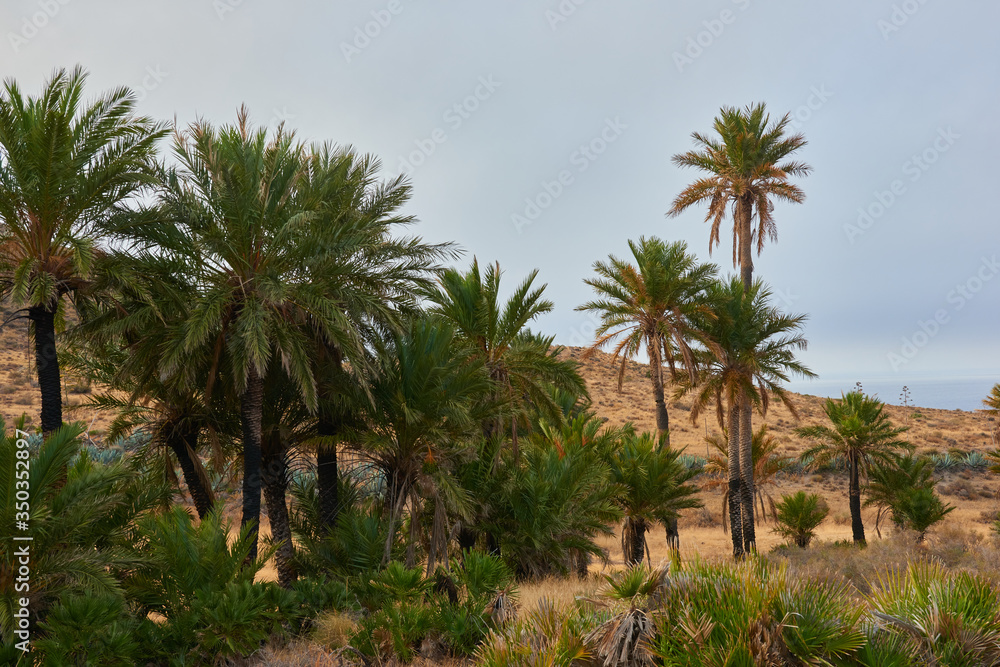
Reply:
x=860, y=434
x=754, y=354
x=262, y=270
x=523, y=367
x=747, y=168
x=66, y=168
x=651, y=304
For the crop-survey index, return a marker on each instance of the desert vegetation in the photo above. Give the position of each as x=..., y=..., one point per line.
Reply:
x=275, y=427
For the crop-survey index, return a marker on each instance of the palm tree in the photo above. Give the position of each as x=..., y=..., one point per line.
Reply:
x=522, y=366
x=863, y=436
x=888, y=482
x=651, y=304
x=752, y=356
x=992, y=408
x=652, y=489
x=66, y=168
x=767, y=464
x=262, y=272
x=378, y=276
x=120, y=347
x=746, y=169
x=424, y=408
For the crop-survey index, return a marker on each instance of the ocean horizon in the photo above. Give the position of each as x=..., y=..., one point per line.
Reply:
x=965, y=392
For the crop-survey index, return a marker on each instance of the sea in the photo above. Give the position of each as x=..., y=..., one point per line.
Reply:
x=964, y=392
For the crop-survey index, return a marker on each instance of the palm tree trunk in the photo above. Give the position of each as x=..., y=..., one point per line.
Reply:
x=275, y=476
x=327, y=473
x=744, y=213
x=183, y=440
x=746, y=473
x=656, y=375
x=582, y=564
x=47, y=367
x=735, y=482
x=854, y=500
x=251, y=407
x=635, y=540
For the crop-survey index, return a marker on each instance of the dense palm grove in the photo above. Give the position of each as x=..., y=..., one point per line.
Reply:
x=258, y=318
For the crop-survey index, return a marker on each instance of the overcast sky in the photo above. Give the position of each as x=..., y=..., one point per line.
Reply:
x=558, y=150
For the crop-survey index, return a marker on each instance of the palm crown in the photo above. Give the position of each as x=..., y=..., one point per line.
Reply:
x=653, y=304
x=747, y=167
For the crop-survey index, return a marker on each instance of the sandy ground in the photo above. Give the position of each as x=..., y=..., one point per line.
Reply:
x=974, y=494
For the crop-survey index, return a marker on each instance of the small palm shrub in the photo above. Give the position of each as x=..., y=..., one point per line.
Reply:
x=888, y=481
x=753, y=613
x=452, y=612
x=799, y=515
x=623, y=640
x=549, y=635
x=204, y=588
x=921, y=508
x=552, y=508
x=356, y=546
x=81, y=517
x=945, y=618
x=85, y=630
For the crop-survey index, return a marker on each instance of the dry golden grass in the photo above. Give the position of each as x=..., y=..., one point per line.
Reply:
x=562, y=591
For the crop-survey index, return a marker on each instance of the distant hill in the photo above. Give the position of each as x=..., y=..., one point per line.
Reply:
x=931, y=429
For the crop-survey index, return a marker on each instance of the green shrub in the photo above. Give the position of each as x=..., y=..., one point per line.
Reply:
x=950, y=619
x=920, y=509
x=798, y=516
x=753, y=613
x=548, y=635
x=89, y=631
x=453, y=612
